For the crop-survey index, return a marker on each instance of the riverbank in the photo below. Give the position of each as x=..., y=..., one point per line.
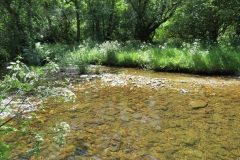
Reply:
x=181, y=58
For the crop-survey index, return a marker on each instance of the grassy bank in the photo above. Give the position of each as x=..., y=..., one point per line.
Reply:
x=188, y=58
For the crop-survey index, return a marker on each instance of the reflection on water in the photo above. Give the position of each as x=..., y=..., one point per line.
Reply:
x=146, y=115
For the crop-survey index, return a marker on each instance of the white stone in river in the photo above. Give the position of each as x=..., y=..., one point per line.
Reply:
x=108, y=80
x=84, y=76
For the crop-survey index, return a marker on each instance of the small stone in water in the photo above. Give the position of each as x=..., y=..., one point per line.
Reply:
x=198, y=104
x=95, y=158
x=184, y=91
x=127, y=151
x=129, y=110
x=164, y=108
x=90, y=130
x=198, y=153
x=114, y=148
x=117, y=137
x=137, y=115
x=84, y=76
x=52, y=112
x=82, y=152
x=108, y=80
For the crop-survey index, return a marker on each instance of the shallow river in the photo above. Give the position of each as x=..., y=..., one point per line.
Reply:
x=131, y=114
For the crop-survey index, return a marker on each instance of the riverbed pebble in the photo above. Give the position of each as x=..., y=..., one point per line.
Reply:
x=197, y=104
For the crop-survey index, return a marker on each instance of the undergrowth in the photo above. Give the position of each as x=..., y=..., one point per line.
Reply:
x=189, y=57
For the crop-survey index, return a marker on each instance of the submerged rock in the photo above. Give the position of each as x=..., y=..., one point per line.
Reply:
x=197, y=104
x=117, y=137
x=89, y=130
x=80, y=151
x=95, y=158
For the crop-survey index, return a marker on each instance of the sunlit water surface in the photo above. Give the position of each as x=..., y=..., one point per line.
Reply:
x=138, y=115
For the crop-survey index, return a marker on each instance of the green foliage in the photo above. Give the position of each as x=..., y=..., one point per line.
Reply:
x=4, y=55
x=110, y=32
x=4, y=151
x=189, y=57
x=127, y=59
x=149, y=15
x=62, y=129
x=204, y=20
x=108, y=52
x=16, y=87
x=74, y=59
x=192, y=58
x=24, y=25
x=36, y=55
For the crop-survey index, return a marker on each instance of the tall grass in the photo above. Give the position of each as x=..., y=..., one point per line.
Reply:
x=188, y=57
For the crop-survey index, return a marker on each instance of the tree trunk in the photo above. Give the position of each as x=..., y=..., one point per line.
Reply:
x=46, y=5
x=145, y=33
x=15, y=16
x=150, y=15
x=97, y=31
x=76, y=3
x=18, y=35
x=213, y=37
x=29, y=20
x=110, y=21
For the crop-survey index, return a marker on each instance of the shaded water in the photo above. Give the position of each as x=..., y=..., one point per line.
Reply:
x=136, y=114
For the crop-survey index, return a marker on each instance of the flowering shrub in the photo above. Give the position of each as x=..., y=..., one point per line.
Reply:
x=15, y=89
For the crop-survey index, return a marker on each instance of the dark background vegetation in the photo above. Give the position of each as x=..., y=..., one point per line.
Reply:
x=23, y=23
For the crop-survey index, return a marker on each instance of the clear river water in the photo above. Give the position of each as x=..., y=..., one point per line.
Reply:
x=131, y=114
